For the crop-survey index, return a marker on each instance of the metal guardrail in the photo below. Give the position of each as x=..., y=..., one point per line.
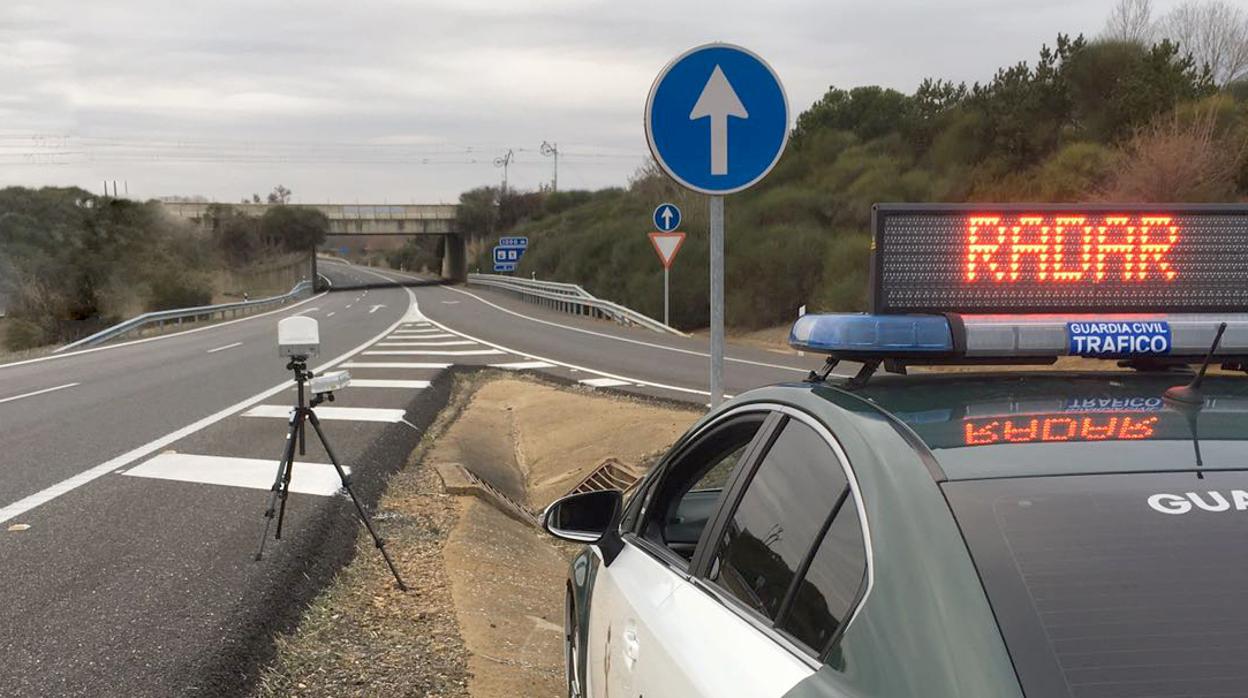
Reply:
x=570, y=298
x=179, y=315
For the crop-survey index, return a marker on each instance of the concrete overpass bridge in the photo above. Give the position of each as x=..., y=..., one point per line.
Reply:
x=366, y=220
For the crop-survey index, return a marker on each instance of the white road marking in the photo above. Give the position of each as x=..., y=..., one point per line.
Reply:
x=348, y=306
x=228, y=346
x=523, y=365
x=346, y=414
x=69, y=484
x=604, y=382
x=219, y=325
x=383, y=383
x=436, y=335
x=38, y=392
x=452, y=343
x=421, y=332
x=313, y=309
x=375, y=308
x=450, y=302
x=331, y=313
x=574, y=367
x=393, y=364
x=309, y=478
x=604, y=335
x=432, y=352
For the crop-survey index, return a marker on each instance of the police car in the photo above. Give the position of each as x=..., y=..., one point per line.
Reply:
x=955, y=534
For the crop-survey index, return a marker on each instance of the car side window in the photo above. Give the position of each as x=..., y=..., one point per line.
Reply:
x=823, y=599
x=792, y=546
x=693, y=484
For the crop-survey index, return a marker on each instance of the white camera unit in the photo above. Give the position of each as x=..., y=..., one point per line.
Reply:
x=298, y=337
x=330, y=382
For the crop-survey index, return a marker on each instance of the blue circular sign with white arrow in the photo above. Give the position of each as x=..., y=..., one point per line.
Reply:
x=717, y=119
x=666, y=218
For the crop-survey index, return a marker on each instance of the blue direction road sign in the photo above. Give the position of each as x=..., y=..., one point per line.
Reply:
x=666, y=218
x=513, y=242
x=506, y=257
x=717, y=119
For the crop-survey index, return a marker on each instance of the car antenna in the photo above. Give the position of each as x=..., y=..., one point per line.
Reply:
x=1190, y=394
x=1188, y=400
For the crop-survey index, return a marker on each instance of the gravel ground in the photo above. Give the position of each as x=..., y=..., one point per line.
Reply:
x=363, y=637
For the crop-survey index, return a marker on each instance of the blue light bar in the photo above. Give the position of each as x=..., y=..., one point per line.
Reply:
x=883, y=335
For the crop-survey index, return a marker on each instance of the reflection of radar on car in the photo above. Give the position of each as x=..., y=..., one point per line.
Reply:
x=900, y=530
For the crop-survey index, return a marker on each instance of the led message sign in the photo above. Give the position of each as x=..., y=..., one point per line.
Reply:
x=1043, y=258
x=1057, y=428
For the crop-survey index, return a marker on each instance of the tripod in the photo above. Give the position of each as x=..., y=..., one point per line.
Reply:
x=301, y=415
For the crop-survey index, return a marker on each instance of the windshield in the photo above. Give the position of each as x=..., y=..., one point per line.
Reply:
x=1115, y=585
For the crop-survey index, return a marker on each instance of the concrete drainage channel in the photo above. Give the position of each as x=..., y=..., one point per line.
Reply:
x=457, y=479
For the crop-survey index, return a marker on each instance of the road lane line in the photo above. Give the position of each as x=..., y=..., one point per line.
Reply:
x=384, y=383
x=523, y=365
x=432, y=352
x=604, y=335
x=331, y=313
x=318, y=479
x=131, y=343
x=228, y=346
x=347, y=414
x=38, y=392
x=394, y=364
x=69, y=484
x=452, y=343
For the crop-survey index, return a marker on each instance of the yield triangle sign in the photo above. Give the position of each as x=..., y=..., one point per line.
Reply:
x=667, y=245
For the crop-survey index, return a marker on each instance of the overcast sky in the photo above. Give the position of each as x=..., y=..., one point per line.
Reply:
x=389, y=101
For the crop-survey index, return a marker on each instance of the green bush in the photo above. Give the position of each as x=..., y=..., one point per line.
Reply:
x=178, y=290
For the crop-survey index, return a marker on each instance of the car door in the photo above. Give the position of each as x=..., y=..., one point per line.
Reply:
x=774, y=577
x=659, y=547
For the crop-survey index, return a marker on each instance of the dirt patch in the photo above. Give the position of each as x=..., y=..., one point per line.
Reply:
x=485, y=617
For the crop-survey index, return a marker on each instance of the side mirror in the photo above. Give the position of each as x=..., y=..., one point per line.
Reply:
x=583, y=518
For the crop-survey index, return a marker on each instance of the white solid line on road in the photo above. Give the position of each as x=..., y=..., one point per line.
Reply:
x=452, y=343
x=228, y=346
x=393, y=364
x=604, y=382
x=346, y=414
x=432, y=352
x=38, y=392
x=69, y=484
x=523, y=365
x=414, y=337
x=218, y=325
x=605, y=335
x=431, y=332
x=309, y=478
x=375, y=308
x=384, y=383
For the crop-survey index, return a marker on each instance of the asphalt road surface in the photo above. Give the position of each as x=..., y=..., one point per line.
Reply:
x=133, y=478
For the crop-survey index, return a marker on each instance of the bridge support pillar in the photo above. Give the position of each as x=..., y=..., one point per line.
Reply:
x=455, y=258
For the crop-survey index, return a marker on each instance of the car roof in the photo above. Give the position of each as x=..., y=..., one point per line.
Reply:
x=1034, y=423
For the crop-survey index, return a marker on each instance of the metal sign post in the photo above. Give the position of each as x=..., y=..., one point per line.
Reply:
x=666, y=245
x=717, y=300
x=717, y=120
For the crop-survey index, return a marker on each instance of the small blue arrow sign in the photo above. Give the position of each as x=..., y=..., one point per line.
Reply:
x=717, y=119
x=666, y=218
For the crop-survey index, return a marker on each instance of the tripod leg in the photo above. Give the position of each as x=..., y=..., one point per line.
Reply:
x=298, y=425
x=283, y=472
x=359, y=508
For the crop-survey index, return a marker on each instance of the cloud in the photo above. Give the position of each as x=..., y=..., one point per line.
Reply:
x=308, y=90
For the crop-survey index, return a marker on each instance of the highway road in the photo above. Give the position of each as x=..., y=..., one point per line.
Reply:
x=133, y=477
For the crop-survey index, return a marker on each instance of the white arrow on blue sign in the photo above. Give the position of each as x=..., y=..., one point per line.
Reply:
x=666, y=218
x=717, y=119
